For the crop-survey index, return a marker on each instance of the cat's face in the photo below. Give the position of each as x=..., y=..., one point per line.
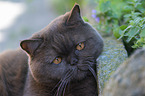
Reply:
x=66, y=48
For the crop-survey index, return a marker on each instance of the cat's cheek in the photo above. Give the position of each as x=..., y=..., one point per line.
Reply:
x=37, y=71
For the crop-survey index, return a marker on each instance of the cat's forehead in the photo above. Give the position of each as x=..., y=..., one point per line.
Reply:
x=76, y=35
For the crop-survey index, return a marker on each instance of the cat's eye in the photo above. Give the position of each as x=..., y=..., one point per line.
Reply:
x=57, y=60
x=80, y=46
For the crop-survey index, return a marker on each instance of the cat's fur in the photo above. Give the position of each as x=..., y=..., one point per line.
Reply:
x=74, y=76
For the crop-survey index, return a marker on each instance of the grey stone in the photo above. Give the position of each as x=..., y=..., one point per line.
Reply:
x=132, y=73
x=113, y=55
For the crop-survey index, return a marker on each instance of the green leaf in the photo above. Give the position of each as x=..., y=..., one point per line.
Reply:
x=136, y=14
x=143, y=26
x=123, y=27
x=116, y=32
x=85, y=19
x=141, y=9
x=132, y=32
x=105, y=6
x=136, y=21
x=131, y=22
x=127, y=9
x=124, y=31
x=131, y=3
x=142, y=34
x=127, y=15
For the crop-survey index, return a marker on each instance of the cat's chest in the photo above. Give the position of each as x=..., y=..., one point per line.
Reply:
x=87, y=87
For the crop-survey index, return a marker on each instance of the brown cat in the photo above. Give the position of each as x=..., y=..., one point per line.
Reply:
x=62, y=60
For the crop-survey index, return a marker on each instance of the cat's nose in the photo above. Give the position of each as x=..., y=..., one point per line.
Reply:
x=74, y=61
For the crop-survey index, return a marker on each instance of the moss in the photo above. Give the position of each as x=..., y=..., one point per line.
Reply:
x=113, y=55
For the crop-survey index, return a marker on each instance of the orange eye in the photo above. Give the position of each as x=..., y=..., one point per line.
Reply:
x=57, y=60
x=80, y=46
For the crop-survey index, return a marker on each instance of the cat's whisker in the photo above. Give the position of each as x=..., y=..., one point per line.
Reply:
x=95, y=76
x=86, y=64
x=67, y=75
x=56, y=86
x=62, y=90
x=94, y=73
x=61, y=80
x=65, y=88
x=82, y=64
x=90, y=61
x=88, y=57
x=59, y=91
x=63, y=83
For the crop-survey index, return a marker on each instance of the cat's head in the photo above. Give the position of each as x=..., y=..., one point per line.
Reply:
x=66, y=48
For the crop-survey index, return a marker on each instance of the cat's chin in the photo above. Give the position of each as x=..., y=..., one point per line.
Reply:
x=79, y=74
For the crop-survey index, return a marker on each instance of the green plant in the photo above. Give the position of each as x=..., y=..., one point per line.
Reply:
x=125, y=19
x=62, y=6
x=85, y=19
x=109, y=12
x=134, y=28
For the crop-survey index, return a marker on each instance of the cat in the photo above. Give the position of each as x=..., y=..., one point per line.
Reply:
x=60, y=60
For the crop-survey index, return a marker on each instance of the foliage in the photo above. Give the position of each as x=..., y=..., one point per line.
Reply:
x=62, y=6
x=85, y=19
x=124, y=18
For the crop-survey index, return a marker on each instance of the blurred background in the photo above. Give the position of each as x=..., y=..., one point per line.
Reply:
x=122, y=19
x=19, y=19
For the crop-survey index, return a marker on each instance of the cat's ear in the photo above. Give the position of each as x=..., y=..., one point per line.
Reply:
x=74, y=15
x=30, y=45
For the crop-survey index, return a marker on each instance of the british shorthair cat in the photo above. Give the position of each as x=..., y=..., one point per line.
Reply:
x=60, y=60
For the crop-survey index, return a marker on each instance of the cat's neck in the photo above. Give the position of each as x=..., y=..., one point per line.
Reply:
x=33, y=88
